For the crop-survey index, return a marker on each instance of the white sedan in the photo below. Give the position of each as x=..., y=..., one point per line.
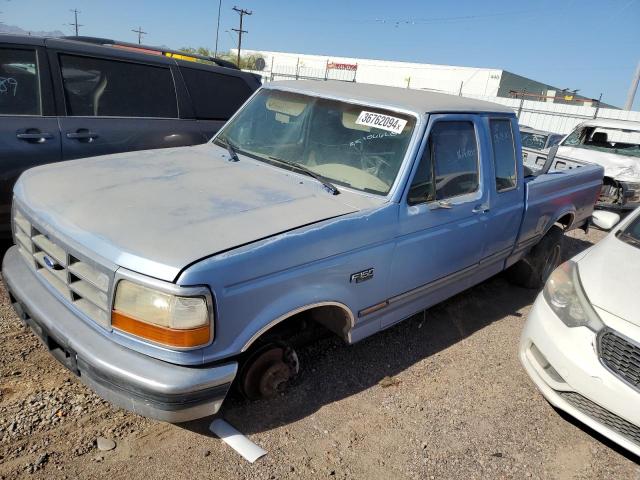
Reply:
x=581, y=342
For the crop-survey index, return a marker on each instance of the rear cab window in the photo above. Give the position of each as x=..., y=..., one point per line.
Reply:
x=449, y=164
x=504, y=154
x=19, y=82
x=215, y=96
x=96, y=87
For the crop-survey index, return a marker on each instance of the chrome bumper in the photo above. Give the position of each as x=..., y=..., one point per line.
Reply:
x=136, y=382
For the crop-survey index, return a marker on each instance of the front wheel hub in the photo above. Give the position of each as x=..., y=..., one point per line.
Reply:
x=268, y=371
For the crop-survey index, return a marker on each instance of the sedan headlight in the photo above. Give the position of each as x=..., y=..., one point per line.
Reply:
x=164, y=318
x=567, y=299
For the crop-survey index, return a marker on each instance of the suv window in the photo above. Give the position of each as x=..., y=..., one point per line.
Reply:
x=215, y=96
x=19, y=82
x=107, y=88
x=504, y=154
x=451, y=157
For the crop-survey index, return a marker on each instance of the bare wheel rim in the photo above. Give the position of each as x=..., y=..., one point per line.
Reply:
x=269, y=372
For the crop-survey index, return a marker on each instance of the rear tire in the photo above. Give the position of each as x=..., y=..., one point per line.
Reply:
x=535, y=268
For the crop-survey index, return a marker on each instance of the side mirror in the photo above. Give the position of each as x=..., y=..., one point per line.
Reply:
x=605, y=220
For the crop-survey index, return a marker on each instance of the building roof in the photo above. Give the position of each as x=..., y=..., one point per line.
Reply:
x=418, y=101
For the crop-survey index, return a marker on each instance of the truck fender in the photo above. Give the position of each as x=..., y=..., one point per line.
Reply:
x=292, y=304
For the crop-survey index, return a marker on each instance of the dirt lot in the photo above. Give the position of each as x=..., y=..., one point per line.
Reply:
x=459, y=406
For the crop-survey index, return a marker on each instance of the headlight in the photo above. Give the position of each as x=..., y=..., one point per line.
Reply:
x=566, y=298
x=631, y=192
x=172, y=320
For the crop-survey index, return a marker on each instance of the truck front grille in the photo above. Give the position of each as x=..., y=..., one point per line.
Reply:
x=621, y=357
x=603, y=416
x=82, y=284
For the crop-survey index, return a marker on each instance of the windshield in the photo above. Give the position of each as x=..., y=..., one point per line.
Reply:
x=535, y=141
x=357, y=146
x=631, y=234
x=612, y=140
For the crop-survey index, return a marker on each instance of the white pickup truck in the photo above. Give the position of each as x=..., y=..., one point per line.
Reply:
x=613, y=144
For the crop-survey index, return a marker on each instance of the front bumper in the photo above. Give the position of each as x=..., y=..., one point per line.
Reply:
x=564, y=364
x=136, y=382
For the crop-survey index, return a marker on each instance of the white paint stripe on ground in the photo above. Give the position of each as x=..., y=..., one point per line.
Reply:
x=236, y=440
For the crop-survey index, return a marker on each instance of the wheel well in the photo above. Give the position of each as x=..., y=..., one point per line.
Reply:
x=310, y=322
x=565, y=221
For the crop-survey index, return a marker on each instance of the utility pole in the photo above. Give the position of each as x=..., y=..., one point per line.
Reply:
x=215, y=55
x=633, y=89
x=140, y=33
x=75, y=22
x=242, y=12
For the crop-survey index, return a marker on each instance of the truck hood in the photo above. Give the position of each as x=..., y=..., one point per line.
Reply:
x=157, y=211
x=610, y=276
x=619, y=167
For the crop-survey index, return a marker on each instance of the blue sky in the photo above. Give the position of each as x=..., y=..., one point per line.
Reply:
x=585, y=44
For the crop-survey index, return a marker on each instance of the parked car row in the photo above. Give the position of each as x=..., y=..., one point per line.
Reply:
x=163, y=277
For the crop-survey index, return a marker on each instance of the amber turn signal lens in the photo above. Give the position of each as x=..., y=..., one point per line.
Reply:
x=170, y=337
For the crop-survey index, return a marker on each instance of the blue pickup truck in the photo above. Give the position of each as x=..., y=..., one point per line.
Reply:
x=163, y=277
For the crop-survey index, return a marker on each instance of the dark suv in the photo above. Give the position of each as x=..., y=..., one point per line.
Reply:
x=62, y=99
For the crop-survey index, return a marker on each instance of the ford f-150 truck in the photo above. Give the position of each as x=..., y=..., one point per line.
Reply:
x=162, y=277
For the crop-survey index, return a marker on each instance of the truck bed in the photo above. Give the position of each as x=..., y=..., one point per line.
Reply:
x=567, y=195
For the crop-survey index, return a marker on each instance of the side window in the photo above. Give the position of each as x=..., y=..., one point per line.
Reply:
x=422, y=188
x=215, y=96
x=454, y=153
x=19, y=82
x=504, y=154
x=107, y=88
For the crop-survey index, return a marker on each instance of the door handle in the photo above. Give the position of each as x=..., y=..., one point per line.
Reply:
x=484, y=208
x=83, y=135
x=34, y=137
x=440, y=204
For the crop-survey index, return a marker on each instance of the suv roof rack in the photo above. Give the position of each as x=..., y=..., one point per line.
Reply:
x=167, y=52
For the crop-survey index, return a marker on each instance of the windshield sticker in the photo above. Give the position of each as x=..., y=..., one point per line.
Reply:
x=383, y=122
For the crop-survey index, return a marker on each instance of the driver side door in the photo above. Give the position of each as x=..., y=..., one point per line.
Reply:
x=441, y=219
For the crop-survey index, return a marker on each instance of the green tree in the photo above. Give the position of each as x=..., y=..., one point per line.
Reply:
x=247, y=62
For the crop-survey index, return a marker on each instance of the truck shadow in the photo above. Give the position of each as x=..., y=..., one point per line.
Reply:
x=333, y=371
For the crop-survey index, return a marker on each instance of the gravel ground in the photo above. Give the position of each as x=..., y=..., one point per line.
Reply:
x=457, y=405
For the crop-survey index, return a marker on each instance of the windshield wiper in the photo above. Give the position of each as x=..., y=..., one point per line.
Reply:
x=330, y=187
x=232, y=151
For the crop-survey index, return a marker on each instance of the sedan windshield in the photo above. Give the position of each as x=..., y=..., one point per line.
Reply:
x=611, y=140
x=631, y=234
x=357, y=146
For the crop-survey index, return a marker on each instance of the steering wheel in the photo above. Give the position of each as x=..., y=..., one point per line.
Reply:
x=373, y=163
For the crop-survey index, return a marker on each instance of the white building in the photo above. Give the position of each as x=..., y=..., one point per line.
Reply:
x=468, y=81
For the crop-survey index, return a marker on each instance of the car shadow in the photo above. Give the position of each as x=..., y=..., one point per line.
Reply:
x=333, y=371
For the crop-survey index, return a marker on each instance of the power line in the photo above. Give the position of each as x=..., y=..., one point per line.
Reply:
x=242, y=12
x=140, y=33
x=75, y=22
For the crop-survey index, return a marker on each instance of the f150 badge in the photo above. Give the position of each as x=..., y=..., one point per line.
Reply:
x=362, y=276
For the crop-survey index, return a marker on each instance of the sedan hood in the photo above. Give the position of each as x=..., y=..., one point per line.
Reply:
x=610, y=276
x=157, y=211
x=619, y=167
